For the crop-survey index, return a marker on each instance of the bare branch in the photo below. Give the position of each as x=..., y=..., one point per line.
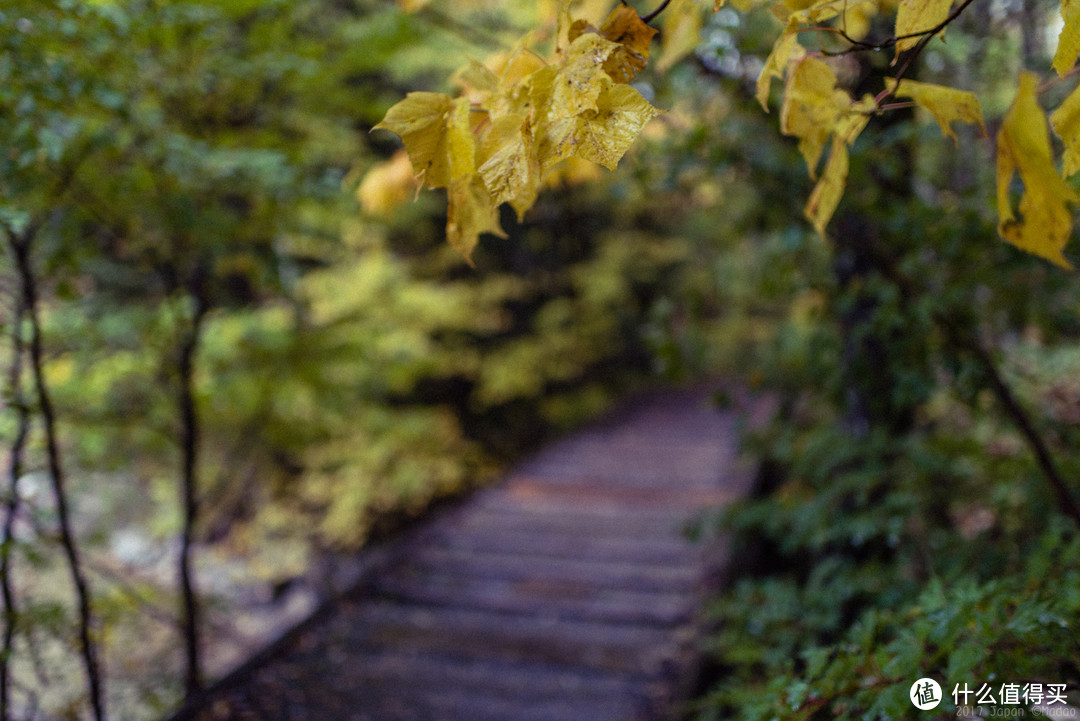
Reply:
x=659, y=9
x=20, y=245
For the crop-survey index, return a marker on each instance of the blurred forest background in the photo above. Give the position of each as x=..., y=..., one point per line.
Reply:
x=221, y=362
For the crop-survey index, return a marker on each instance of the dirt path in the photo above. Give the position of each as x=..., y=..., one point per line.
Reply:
x=568, y=592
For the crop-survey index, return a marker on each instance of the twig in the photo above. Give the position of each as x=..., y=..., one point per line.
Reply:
x=659, y=9
x=917, y=50
x=858, y=46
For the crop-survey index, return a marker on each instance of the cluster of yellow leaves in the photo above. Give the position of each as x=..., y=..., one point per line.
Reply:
x=1042, y=221
x=514, y=122
x=816, y=111
x=1023, y=146
x=519, y=118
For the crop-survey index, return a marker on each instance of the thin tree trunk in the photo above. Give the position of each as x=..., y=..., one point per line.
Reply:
x=11, y=507
x=1016, y=413
x=189, y=447
x=967, y=342
x=20, y=246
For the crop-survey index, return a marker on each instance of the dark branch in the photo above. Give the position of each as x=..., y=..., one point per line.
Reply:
x=11, y=504
x=926, y=36
x=965, y=342
x=659, y=9
x=20, y=245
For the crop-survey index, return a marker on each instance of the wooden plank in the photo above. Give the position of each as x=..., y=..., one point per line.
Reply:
x=583, y=522
x=539, y=542
x=516, y=638
x=434, y=562
x=550, y=599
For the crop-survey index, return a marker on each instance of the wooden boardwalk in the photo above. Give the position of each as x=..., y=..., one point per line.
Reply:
x=568, y=592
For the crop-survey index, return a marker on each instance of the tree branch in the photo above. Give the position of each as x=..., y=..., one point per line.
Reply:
x=20, y=245
x=653, y=15
x=1045, y=459
x=926, y=36
x=189, y=448
x=11, y=503
x=969, y=345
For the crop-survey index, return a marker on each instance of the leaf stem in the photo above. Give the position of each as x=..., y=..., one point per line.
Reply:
x=659, y=9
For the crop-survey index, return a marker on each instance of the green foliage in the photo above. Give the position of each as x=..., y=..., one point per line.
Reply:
x=181, y=166
x=901, y=527
x=188, y=157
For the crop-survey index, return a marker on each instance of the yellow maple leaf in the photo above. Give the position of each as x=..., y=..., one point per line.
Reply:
x=1066, y=122
x=946, y=104
x=437, y=135
x=515, y=80
x=387, y=185
x=1069, y=37
x=785, y=50
x=477, y=78
x=917, y=16
x=563, y=23
x=571, y=172
x=814, y=12
x=812, y=107
x=507, y=164
x=469, y=213
x=1023, y=145
x=828, y=191
x=578, y=82
x=743, y=6
x=517, y=65
x=682, y=33
x=633, y=36
x=602, y=136
x=856, y=19
x=825, y=198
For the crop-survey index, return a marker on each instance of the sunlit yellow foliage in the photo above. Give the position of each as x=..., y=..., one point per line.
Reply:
x=1066, y=122
x=435, y=130
x=570, y=172
x=632, y=37
x=856, y=19
x=918, y=16
x=1069, y=38
x=387, y=185
x=825, y=197
x=785, y=50
x=815, y=12
x=813, y=106
x=508, y=166
x=522, y=116
x=602, y=134
x=946, y=104
x=1045, y=221
x=682, y=33
x=469, y=213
